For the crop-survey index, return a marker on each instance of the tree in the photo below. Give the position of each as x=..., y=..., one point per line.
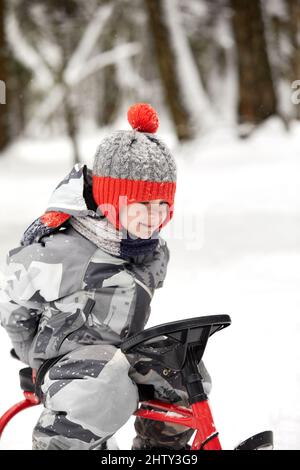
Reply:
x=293, y=7
x=207, y=25
x=167, y=67
x=74, y=61
x=4, y=106
x=257, y=99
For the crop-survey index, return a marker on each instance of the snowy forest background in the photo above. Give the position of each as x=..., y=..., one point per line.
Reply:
x=224, y=76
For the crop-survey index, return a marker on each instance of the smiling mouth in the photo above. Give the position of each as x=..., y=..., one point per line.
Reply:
x=147, y=226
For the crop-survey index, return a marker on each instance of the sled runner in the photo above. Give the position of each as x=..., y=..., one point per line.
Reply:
x=179, y=346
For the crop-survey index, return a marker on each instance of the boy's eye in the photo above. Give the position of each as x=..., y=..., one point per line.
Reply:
x=161, y=203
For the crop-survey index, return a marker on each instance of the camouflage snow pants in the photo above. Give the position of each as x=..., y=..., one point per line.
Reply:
x=91, y=392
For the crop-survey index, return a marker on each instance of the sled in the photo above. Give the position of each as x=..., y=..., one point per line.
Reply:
x=178, y=346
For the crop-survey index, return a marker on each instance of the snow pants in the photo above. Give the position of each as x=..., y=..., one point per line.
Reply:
x=91, y=392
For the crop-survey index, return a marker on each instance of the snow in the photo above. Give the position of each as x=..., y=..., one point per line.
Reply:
x=241, y=199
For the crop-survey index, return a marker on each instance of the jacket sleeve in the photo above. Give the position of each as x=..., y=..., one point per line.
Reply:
x=24, y=286
x=20, y=322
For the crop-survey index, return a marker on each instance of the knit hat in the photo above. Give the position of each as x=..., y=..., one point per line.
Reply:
x=134, y=166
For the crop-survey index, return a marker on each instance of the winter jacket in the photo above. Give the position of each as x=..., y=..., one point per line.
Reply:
x=62, y=291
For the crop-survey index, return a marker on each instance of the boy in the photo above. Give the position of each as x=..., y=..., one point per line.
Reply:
x=82, y=281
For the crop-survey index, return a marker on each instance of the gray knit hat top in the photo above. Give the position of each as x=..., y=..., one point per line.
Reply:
x=134, y=163
x=134, y=155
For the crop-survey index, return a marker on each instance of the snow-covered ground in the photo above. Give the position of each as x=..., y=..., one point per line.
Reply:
x=235, y=249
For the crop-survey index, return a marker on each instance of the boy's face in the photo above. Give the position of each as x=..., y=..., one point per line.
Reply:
x=143, y=218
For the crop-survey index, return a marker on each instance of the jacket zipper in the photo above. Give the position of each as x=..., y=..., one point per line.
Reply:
x=140, y=283
x=145, y=287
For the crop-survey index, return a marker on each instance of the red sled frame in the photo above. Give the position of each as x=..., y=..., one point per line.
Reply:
x=200, y=418
x=184, y=354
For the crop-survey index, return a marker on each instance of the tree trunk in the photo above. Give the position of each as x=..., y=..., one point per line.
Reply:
x=72, y=125
x=167, y=66
x=109, y=98
x=257, y=99
x=294, y=27
x=4, y=71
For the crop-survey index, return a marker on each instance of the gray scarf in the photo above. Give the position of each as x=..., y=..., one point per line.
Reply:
x=109, y=239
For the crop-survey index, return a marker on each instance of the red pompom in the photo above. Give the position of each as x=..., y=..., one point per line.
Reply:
x=143, y=118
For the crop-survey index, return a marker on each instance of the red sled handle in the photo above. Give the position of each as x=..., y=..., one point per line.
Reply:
x=30, y=400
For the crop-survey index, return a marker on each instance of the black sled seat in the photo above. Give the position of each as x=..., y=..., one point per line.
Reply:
x=168, y=343
x=171, y=343
x=180, y=345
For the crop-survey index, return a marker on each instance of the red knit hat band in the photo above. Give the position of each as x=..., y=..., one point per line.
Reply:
x=108, y=192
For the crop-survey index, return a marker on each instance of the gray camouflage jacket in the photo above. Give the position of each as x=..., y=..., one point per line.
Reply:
x=63, y=291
